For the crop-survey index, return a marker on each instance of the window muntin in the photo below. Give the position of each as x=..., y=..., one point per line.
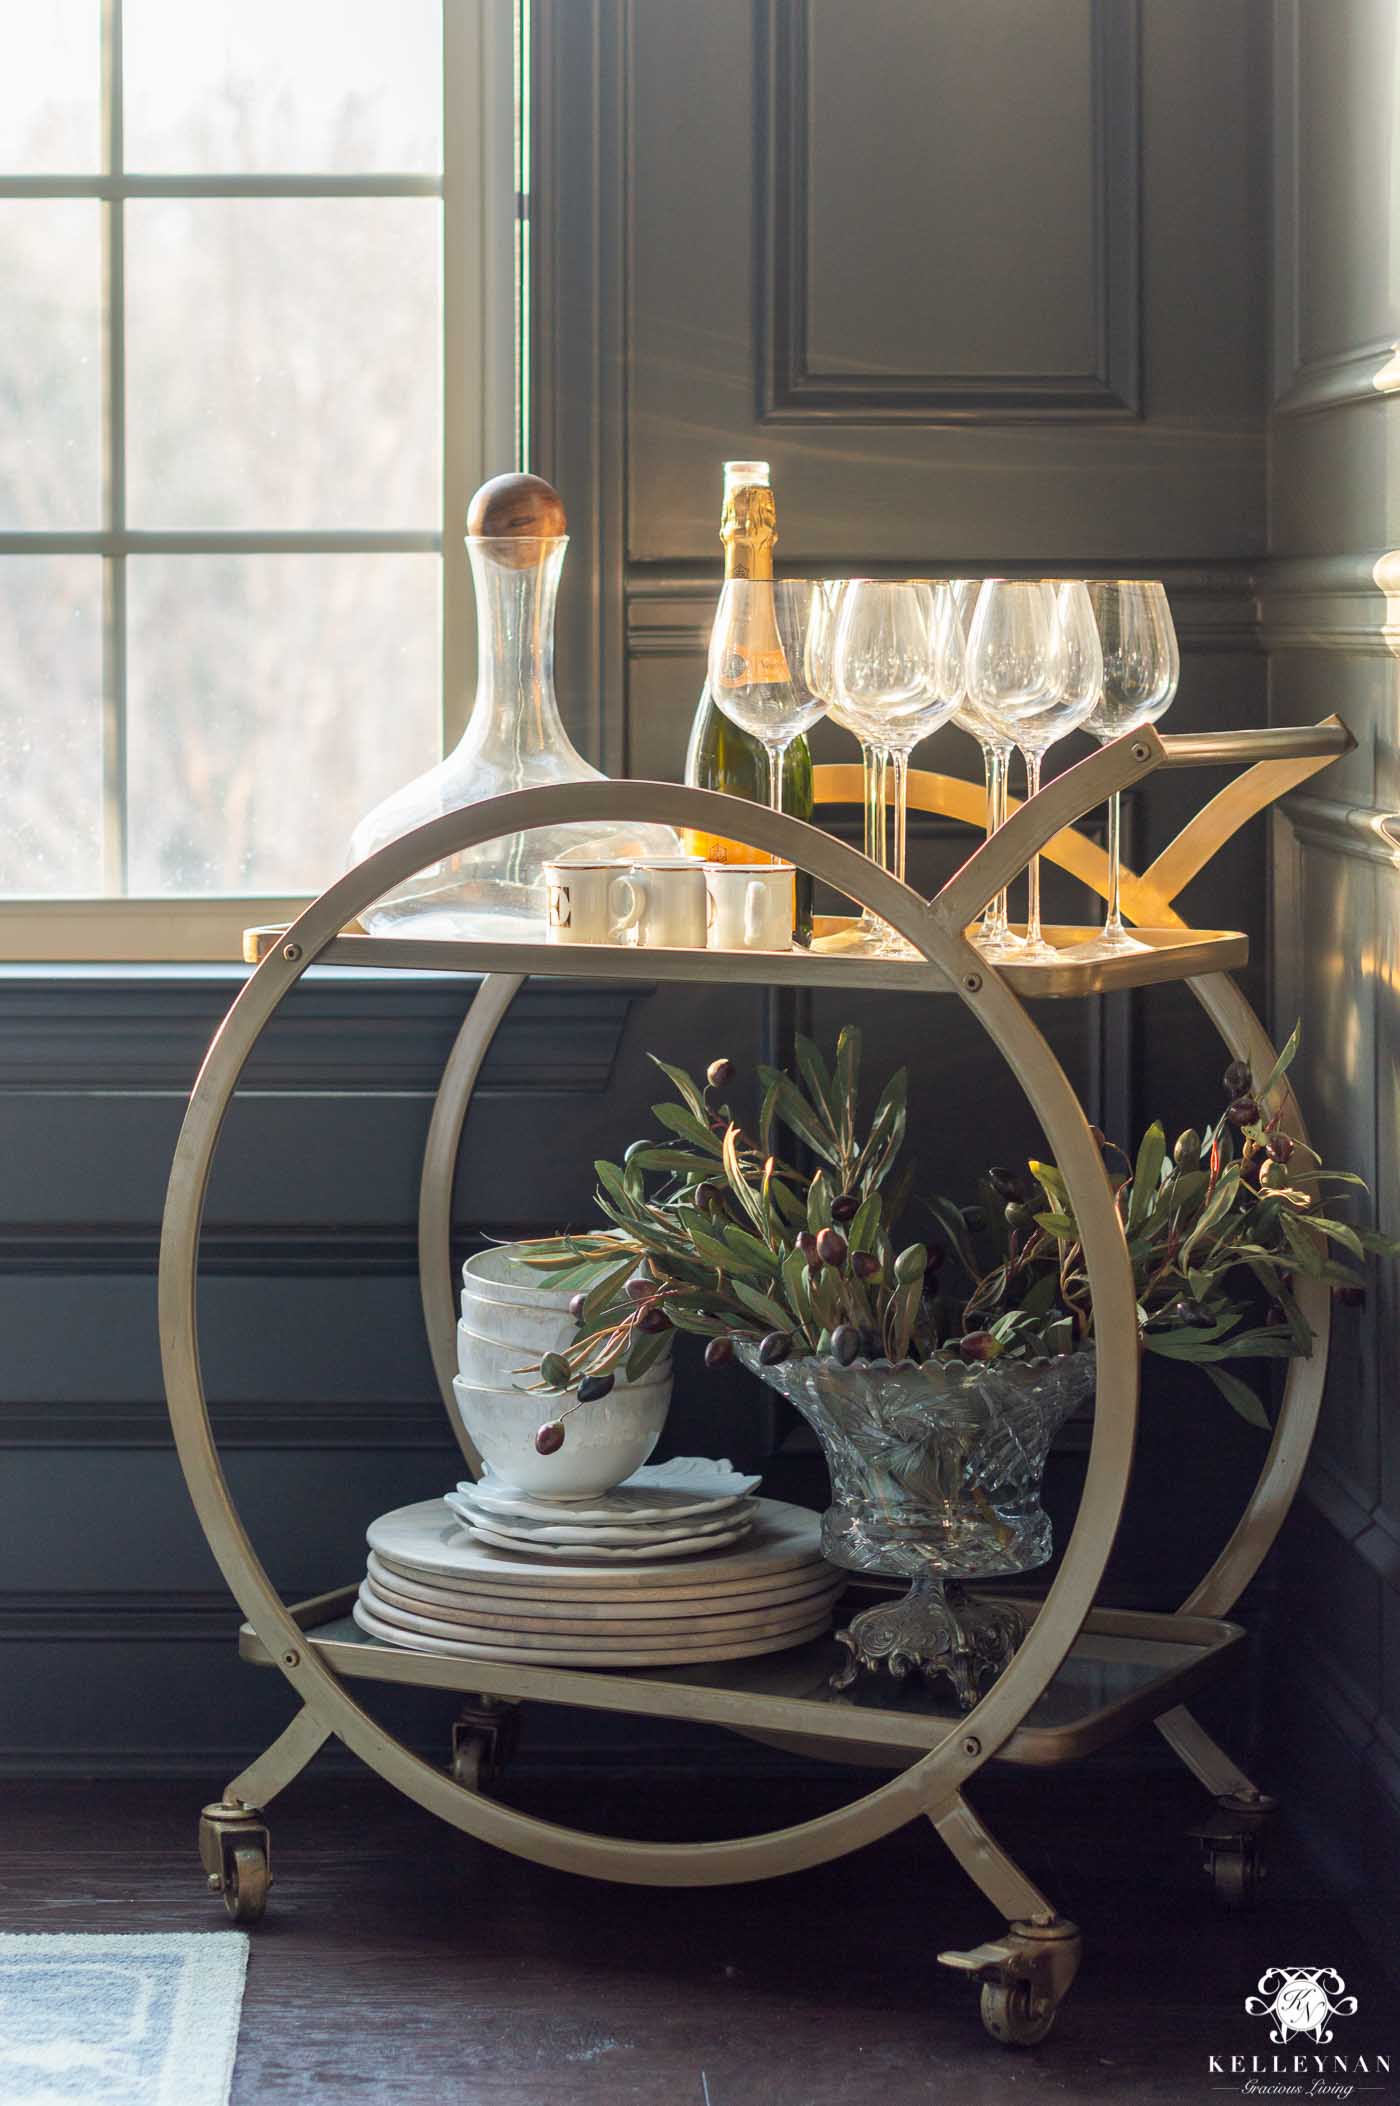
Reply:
x=224, y=613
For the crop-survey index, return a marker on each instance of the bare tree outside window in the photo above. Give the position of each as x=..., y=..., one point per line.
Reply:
x=222, y=442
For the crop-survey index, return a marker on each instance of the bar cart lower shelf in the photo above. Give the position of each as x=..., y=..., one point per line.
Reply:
x=1125, y=1669
x=1082, y=1676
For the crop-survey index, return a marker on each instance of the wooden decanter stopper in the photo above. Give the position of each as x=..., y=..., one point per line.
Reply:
x=516, y=507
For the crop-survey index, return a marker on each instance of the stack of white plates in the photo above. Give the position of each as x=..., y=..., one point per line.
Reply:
x=435, y=1584
x=673, y=1510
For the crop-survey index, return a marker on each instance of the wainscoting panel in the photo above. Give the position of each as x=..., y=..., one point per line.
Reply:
x=854, y=303
x=116, y=1634
x=1051, y=328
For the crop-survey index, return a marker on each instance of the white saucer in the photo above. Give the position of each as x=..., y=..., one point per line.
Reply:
x=669, y=1491
x=520, y=1528
x=606, y=1553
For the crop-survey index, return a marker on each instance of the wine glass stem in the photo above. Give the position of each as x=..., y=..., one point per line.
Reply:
x=1113, y=925
x=1033, y=934
x=994, y=758
x=776, y=757
x=874, y=804
x=899, y=762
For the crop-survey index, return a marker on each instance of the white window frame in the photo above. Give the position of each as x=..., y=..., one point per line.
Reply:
x=483, y=66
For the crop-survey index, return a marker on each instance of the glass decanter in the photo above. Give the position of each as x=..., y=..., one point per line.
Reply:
x=514, y=740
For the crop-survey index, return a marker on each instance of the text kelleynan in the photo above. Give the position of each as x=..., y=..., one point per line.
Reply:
x=1299, y=2065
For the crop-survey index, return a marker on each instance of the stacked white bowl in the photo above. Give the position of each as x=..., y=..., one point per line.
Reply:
x=510, y=1317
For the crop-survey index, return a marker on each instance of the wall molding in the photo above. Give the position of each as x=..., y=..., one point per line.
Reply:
x=322, y=1427
x=307, y=1251
x=1368, y=1530
x=1357, y=830
x=1347, y=603
x=791, y=390
x=1215, y=606
x=1342, y=1711
x=147, y=1029
x=1366, y=373
x=121, y=1617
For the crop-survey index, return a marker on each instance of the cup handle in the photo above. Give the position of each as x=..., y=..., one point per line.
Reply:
x=625, y=918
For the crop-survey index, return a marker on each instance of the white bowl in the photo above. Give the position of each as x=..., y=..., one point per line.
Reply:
x=517, y=1327
x=604, y=1442
x=497, y=1275
x=495, y=1363
x=506, y=1302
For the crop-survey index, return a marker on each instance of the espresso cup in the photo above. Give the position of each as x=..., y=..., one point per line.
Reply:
x=665, y=902
x=584, y=902
x=750, y=906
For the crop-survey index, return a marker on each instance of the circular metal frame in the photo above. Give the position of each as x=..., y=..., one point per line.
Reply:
x=970, y=1741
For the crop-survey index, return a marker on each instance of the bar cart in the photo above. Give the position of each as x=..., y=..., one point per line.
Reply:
x=1084, y=1673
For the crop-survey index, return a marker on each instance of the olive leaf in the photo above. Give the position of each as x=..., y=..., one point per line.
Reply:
x=689, y=1089
x=1240, y=1396
x=779, y=1318
x=686, y=1124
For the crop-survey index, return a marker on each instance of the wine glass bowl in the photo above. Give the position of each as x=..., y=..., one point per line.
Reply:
x=868, y=935
x=1034, y=669
x=759, y=665
x=898, y=672
x=1141, y=669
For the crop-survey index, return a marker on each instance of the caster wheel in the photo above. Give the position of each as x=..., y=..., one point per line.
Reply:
x=1237, y=1875
x=246, y=1882
x=469, y=1763
x=483, y=1738
x=1014, y=2015
x=235, y=1852
x=1234, y=1848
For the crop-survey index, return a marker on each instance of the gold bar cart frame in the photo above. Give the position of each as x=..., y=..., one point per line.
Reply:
x=1027, y=1970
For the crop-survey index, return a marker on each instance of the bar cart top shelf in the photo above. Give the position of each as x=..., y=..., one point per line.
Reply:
x=1171, y=954
x=1276, y=759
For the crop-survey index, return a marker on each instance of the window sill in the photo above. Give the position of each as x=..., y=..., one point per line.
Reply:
x=148, y=932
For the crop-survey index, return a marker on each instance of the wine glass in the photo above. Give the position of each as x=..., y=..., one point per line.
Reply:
x=898, y=669
x=1141, y=668
x=996, y=932
x=759, y=670
x=1034, y=671
x=868, y=934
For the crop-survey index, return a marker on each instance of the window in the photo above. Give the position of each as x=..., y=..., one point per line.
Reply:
x=256, y=266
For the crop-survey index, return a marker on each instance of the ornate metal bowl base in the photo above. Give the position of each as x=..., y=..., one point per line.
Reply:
x=938, y=1629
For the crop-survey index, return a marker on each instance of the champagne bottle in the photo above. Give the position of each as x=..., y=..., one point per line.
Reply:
x=720, y=755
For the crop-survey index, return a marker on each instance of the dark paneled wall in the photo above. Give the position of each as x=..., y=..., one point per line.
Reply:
x=1330, y=628
x=986, y=286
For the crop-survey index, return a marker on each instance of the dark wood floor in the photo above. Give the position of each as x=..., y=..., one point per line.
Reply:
x=400, y=1962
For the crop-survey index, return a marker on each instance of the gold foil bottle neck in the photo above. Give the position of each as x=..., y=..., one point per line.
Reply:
x=749, y=523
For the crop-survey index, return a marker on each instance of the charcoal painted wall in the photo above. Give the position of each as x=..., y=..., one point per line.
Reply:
x=1330, y=624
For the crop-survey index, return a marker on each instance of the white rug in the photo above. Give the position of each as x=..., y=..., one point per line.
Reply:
x=144, y=2020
